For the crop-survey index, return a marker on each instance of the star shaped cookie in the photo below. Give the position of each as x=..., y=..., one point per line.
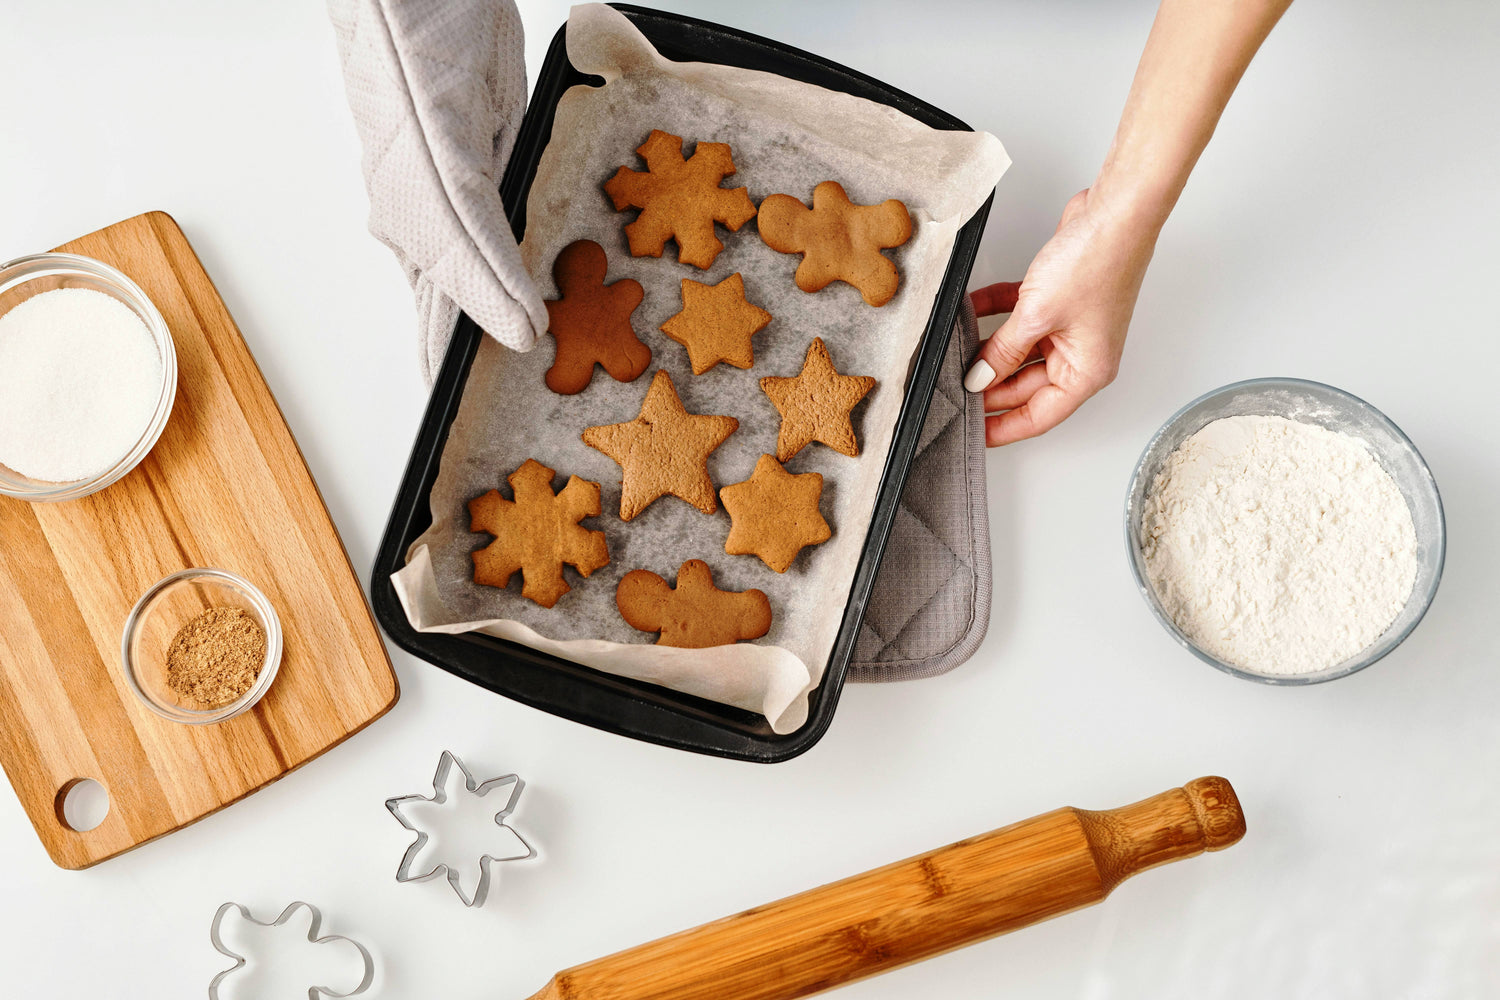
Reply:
x=695, y=613
x=774, y=514
x=664, y=450
x=537, y=532
x=815, y=404
x=838, y=240
x=591, y=322
x=680, y=199
x=716, y=323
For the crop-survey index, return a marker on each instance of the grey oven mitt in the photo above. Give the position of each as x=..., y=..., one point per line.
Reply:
x=438, y=89
x=930, y=605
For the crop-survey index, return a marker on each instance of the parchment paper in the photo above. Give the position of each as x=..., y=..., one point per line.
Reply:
x=786, y=137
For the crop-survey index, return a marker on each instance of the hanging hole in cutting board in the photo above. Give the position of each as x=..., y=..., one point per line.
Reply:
x=82, y=804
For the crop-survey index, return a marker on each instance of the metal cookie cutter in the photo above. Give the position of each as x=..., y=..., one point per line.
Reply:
x=440, y=795
x=313, y=992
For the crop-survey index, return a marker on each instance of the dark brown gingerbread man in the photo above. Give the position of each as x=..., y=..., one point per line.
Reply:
x=591, y=322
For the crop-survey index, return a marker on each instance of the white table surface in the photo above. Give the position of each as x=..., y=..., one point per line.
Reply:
x=1341, y=227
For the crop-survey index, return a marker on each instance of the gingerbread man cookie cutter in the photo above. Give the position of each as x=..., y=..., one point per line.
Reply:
x=240, y=961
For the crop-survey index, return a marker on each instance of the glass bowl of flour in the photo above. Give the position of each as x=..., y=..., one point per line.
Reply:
x=89, y=375
x=1285, y=531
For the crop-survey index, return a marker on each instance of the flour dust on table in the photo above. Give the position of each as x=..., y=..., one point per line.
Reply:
x=1278, y=546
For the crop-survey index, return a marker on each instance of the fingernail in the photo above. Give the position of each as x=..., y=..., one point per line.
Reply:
x=979, y=377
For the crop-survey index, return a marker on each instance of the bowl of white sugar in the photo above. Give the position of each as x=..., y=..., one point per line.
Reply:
x=89, y=376
x=1285, y=531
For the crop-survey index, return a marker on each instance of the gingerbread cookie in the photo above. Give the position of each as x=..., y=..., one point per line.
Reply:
x=695, y=613
x=537, y=532
x=815, y=405
x=679, y=199
x=716, y=324
x=838, y=240
x=591, y=322
x=775, y=514
x=664, y=450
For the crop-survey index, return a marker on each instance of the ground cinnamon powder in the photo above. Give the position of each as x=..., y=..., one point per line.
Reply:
x=215, y=658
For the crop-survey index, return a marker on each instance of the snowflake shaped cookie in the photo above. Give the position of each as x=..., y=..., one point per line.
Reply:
x=449, y=794
x=537, y=532
x=680, y=199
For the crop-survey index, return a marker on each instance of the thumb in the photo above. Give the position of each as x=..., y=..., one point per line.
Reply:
x=1007, y=350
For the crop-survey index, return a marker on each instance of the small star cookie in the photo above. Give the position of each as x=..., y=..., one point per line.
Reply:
x=679, y=199
x=664, y=450
x=591, y=322
x=775, y=514
x=537, y=532
x=716, y=323
x=815, y=405
x=695, y=613
x=838, y=240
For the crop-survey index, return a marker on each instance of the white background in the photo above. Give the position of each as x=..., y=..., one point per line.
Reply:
x=1341, y=227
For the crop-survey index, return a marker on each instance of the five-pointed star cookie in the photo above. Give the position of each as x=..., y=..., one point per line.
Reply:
x=591, y=322
x=775, y=514
x=839, y=241
x=679, y=199
x=716, y=323
x=695, y=613
x=664, y=450
x=815, y=404
x=537, y=532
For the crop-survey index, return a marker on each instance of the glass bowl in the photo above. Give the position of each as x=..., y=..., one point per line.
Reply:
x=1337, y=410
x=24, y=277
x=168, y=605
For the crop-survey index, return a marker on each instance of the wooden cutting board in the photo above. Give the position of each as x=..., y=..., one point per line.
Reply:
x=225, y=487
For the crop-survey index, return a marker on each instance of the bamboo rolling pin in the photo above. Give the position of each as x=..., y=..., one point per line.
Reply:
x=916, y=908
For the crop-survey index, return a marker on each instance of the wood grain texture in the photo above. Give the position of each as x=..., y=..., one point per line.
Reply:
x=225, y=486
x=916, y=908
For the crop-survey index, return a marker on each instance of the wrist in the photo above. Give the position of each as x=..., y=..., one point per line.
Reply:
x=1131, y=204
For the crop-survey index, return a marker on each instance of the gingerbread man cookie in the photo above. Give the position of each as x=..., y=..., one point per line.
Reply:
x=591, y=322
x=537, y=532
x=815, y=404
x=695, y=613
x=774, y=514
x=716, y=324
x=838, y=240
x=664, y=450
x=680, y=199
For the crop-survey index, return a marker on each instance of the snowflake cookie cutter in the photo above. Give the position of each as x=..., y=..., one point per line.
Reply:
x=439, y=795
x=316, y=921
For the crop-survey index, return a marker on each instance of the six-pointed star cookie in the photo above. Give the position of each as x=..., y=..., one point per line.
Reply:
x=716, y=323
x=815, y=404
x=679, y=199
x=695, y=613
x=774, y=514
x=537, y=532
x=591, y=322
x=838, y=240
x=664, y=450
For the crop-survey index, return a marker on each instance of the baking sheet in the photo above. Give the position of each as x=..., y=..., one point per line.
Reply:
x=786, y=137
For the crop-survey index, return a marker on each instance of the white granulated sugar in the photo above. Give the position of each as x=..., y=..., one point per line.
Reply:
x=81, y=377
x=1278, y=546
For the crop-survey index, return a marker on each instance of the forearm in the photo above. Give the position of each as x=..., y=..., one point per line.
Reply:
x=1194, y=58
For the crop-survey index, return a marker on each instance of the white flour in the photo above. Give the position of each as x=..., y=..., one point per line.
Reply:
x=82, y=376
x=1278, y=546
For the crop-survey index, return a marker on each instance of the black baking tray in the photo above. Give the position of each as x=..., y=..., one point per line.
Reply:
x=616, y=704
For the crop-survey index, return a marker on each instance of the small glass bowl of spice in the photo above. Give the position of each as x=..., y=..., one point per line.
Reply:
x=88, y=375
x=201, y=646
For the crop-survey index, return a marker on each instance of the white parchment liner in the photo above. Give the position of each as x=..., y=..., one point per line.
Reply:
x=786, y=137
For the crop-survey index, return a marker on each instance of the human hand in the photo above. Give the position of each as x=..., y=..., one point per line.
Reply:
x=1067, y=325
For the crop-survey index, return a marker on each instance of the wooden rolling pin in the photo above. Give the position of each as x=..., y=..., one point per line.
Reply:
x=916, y=908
